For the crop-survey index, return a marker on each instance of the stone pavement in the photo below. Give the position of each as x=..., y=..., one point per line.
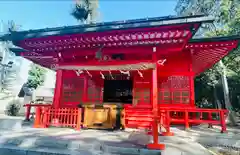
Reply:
x=27, y=141
x=62, y=141
x=67, y=141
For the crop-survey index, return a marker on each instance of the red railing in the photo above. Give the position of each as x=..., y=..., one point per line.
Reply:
x=29, y=107
x=196, y=116
x=164, y=122
x=142, y=117
x=135, y=117
x=61, y=117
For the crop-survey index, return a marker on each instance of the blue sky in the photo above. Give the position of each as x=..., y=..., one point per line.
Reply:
x=34, y=14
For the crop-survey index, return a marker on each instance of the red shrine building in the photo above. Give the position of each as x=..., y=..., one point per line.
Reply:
x=125, y=74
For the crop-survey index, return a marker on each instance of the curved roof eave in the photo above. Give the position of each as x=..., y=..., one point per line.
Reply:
x=105, y=26
x=215, y=39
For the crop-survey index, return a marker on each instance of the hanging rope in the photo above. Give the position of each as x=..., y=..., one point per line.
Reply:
x=110, y=73
x=78, y=72
x=103, y=77
x=140, y=74
x=89, y=73
x=161, y=62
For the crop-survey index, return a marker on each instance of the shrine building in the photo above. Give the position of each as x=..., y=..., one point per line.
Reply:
x=125, y=74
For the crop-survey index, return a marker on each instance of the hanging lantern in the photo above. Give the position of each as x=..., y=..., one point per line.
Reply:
x=98, y=54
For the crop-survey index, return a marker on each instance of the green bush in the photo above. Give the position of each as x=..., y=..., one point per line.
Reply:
x=13, y=108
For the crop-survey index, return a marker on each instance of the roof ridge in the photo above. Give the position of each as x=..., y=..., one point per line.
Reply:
x=130, y=21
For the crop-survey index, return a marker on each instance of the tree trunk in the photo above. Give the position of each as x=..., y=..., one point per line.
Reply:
x=231, y=115
x=217, y=104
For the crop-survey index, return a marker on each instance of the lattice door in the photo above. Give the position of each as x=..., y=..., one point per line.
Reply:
x=141, y=92
x=72, y=91
x=174, y=90
x=95, y=91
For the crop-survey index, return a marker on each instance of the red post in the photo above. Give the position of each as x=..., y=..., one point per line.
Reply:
x=154, y=97
x=28, y=112
x=79, y=119
x=85, y=89
x=37, y=121
x=45, y=116
x=210, y=118
x=186, y=120
x=58, y=89
x=223, y=123
x=191, y=80
x=167, y=124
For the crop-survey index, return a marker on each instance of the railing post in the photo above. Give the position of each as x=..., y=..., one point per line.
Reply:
x=123, y=119
x=223, y=123
x=37, y=121
x=167, y=124
x=210, y=118
x=45, y=115
x=79, y=119
x=28, y=112
x=186, y=120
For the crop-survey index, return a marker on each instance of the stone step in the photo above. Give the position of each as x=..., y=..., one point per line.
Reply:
x=106, y=150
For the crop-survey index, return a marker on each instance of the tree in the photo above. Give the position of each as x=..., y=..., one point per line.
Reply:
x=8, y=64
x=36, y=76
x=85, y=11
x=227, y=22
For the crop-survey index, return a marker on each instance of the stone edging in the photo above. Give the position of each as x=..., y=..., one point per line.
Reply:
x=106, y=150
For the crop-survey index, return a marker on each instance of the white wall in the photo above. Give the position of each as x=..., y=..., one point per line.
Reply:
x=50, y=79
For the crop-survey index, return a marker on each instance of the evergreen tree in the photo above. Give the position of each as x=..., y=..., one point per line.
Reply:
x=36, y=76
x=85, y=11
x=227, y=21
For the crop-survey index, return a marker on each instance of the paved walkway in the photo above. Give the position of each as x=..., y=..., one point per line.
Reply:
x=67, y=141
x=29, y=141
x=84, y=142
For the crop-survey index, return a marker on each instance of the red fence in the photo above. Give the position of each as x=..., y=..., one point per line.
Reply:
x=135, y=117
x=141, y=117
x=29, y=107
x=61, y=117
x=196, y=116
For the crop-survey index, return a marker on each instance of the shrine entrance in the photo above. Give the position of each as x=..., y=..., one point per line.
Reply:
x=118, y=91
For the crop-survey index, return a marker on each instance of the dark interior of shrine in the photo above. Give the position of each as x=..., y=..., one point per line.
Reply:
x=118, y=91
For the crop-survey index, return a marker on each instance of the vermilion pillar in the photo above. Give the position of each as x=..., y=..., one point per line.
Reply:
x=154, y=100
x=85, y=89
x=58, y=89
x=191, y=82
